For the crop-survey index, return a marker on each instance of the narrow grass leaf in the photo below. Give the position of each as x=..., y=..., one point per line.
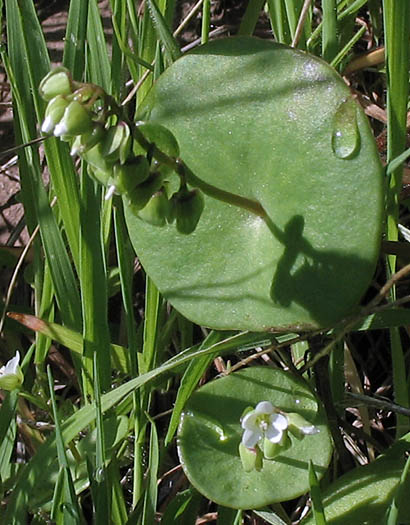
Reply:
x=189, y=381
x=150, y=499
x=271, y=517
x=316, y=496
x=183, y=508
x=65, y=508
x=399, y=496
x=251, y=17
x=279, y=23
x=98, y=59
x=69, y=338
x=329, y=30
x=125, y=256
x=76, y=30
x=164, y=33
x=102, y=501
x=93, y=287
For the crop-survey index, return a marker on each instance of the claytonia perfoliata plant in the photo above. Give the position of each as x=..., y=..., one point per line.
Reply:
x=122, y=156
x=11, y=376
x=266, y=433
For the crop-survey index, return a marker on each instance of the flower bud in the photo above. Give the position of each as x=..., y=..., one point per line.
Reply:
x=11, y=376
x=127, y=176
x=94, y=158
x=251, y=458
x=56, y=82
x=271, y=450
x=159, y=135
x=117, y=143
x=299, y=426
x=83, y=143
x=141, y=194
x=76, y=121
x=101, y=176
x=54, y=113
x=157, y=209
x=189, y=206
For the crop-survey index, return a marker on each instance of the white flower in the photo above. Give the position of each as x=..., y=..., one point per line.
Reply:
x=263, y=422
x=11, y=375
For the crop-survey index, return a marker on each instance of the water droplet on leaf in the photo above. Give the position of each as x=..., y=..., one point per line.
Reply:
x=345, y=135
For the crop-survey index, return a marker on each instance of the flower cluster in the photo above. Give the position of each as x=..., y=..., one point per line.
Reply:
x=266, y=433
x=11, y=376
x=121, y=156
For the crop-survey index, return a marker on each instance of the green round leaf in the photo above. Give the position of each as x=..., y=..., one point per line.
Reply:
x=363, y=495
x=210, y=433
x=278, y=126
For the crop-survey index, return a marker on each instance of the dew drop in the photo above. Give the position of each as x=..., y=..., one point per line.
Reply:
x=345, y=134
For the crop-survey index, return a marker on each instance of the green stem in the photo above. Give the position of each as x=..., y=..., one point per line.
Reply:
x=216, y=193
x=186, y=174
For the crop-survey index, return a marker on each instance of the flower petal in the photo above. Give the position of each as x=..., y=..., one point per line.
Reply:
x=249, y=421
x=250, y=438
x=273, y=434
x=279, y=421
x=11, y=366
x=264, y=407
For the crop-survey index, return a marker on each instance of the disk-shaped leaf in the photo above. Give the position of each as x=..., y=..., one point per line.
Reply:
x=364, y=494
x=210, y=433
x=278, y=126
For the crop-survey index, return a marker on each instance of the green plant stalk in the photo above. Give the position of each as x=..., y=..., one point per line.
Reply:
x=397, y=34
x=251, y=16
x=343, y=52
x=316, y=496
x=279, y=24
x=206, y=18
x=93, y=289
x=68, y=497
x=400, y=494
x=151, y=491
x=329, y=30
x=102, y=503
x=74, y=47
x=125, y=262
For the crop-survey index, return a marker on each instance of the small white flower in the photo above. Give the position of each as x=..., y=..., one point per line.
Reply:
x=263, y=422
x=11, y=375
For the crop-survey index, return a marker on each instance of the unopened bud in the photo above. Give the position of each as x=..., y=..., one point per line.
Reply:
x=252, y=459
x=271, y=450
x=117, y=143
x=299, y=426
x=141, y=194
x=76, y=121
x=189, y=206
x=159, y=135
x=83, y=143
x=56, y=82
x=157, y=209
x=127, y=176
x=54, y=113
x=101, y=176
x=95, y=159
